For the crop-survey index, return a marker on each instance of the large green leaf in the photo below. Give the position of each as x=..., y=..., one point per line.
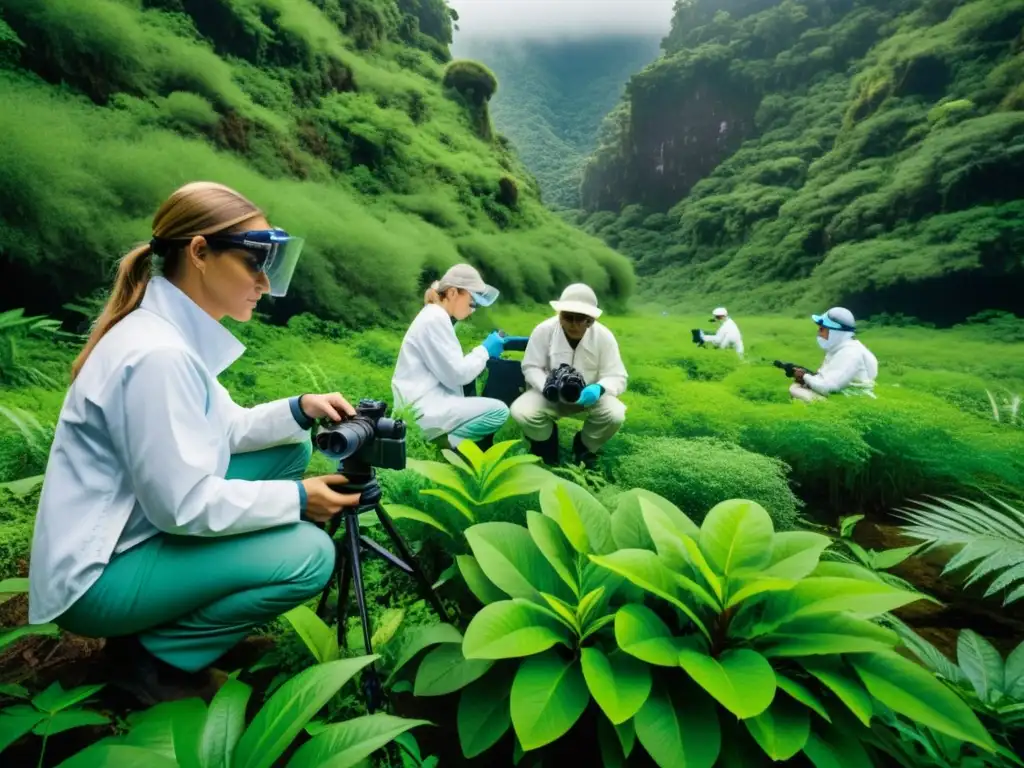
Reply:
x=68, y=719
x=320, y=639
x=745, y=588
x=10, y=636
x=481, y=587
x=225, y=722
x=640, y=633
x=832, y=633
x=737, y=535
x=445, y=670
x=782, y=730
x=292, y=706
x=550, y=540
x=400, y=512
x=484, y=714
x=519, y=481
x=678, y=726
x=511, y=629
x=118, y=755
x=548, y=696
x=1013, y=673
x=172, y=729
x=508, y=556
x=835, y=748
x=645, y=569
x=803, y=694
x=982, y=664
x=343, y=745
x=55, y=698
x=422, y=638
x=441, y=474
x=822, y=595
x=912, y=691
x=795, y=554
x=843, y=684
x=628, y=528
x=619, y=683
x=583, y=519
x=16, y=721
x=741, y=680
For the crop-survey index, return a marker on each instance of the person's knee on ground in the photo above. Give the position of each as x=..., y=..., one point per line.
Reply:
x=798, y=392
x=308, y=560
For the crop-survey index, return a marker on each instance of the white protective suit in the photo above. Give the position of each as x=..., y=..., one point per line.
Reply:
x=728, y=336
x=849, y=368
x=431, y=372
x=597, y=359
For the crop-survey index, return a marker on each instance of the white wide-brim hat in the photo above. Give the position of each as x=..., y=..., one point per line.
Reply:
x=578, y=299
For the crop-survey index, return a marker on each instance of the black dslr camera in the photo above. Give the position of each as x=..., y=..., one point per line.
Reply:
x=696, y=335
x=788, y=368
x=564, y=382
x=368, y=439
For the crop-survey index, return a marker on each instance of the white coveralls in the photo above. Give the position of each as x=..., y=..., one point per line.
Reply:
x=728, y=335
x=430, y=374
x=597, y=359
x=849, y=368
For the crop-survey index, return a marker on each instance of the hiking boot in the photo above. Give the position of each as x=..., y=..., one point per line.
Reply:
x=139, y=673
x=547, y=449
x=580, y=453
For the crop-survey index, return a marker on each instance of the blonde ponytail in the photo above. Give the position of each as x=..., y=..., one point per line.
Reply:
x=432, y=295
x=133, y=275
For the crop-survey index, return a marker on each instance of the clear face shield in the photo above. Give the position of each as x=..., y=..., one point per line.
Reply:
x=273, y=252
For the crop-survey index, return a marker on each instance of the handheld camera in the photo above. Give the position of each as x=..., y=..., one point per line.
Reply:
x=788, y=368
x=368, y=439
x=695, y=334
x=565, y=383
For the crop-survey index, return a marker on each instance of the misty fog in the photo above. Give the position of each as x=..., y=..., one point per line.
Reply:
x=560, y=18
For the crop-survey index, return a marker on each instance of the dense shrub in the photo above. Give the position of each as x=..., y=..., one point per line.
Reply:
x=697, y=474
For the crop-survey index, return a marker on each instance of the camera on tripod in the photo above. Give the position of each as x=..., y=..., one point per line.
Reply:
x=565, y=383
x=368, y=439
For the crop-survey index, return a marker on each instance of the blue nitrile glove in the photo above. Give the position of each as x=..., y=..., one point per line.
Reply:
x=494, y=344
x=590, y=395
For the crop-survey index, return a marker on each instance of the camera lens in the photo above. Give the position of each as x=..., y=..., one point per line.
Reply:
x=571, y=391
x=343, y=440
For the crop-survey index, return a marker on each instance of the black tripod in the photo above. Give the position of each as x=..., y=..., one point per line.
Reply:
x=362, y=479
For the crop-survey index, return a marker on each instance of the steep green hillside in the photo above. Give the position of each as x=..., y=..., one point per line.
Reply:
x=810, y=152
x=330, y=113
x=553, y=96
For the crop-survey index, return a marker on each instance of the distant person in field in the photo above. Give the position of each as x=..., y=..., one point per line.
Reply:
x=573, y=336
x=849, y=367
x=173, y=521
x=432, y=369
x=728, y=334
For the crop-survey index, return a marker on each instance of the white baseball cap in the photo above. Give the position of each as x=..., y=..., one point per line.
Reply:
x=578, y=299
x=719, y=312
x=466, y=277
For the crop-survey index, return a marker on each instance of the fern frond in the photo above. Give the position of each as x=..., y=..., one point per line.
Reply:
x=990, y=539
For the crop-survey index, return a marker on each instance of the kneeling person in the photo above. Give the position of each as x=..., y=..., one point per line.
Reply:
x=572, y=337
x=849, y=367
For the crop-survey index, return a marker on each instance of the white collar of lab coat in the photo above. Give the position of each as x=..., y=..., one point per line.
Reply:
x=210, y=340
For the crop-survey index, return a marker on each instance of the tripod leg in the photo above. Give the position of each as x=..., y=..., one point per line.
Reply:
x=371, y=682
x=417, y=572
x=344, y=579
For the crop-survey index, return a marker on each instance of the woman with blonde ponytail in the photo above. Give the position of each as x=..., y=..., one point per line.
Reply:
x=432, y=371
x=171, y=519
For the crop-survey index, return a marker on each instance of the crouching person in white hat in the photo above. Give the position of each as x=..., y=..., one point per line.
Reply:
x=572, y=337
x=728, y=335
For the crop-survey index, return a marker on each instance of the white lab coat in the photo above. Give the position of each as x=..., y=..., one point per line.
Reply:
x=848, y=367
x=142, y=446
x=596, y=357
x=728, y=335
x=432, y=370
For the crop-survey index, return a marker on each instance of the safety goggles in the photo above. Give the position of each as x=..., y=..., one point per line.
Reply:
x=826, y=321
x=271, y=251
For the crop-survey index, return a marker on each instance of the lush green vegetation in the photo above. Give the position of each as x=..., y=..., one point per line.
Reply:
x=869, y=155
x=334, y=115
x=553, y=96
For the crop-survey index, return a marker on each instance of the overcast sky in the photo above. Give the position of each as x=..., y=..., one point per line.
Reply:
x=560, y=18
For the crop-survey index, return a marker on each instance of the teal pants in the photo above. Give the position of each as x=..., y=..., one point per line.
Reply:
x=189, y=599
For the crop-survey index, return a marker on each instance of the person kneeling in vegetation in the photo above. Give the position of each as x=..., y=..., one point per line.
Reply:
x=432, y=370
x=728, y=335
x=172, y=520
x=849, y=367
x=573, y=337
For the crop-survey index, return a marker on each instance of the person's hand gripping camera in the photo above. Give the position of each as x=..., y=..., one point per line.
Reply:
x=322, y=502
